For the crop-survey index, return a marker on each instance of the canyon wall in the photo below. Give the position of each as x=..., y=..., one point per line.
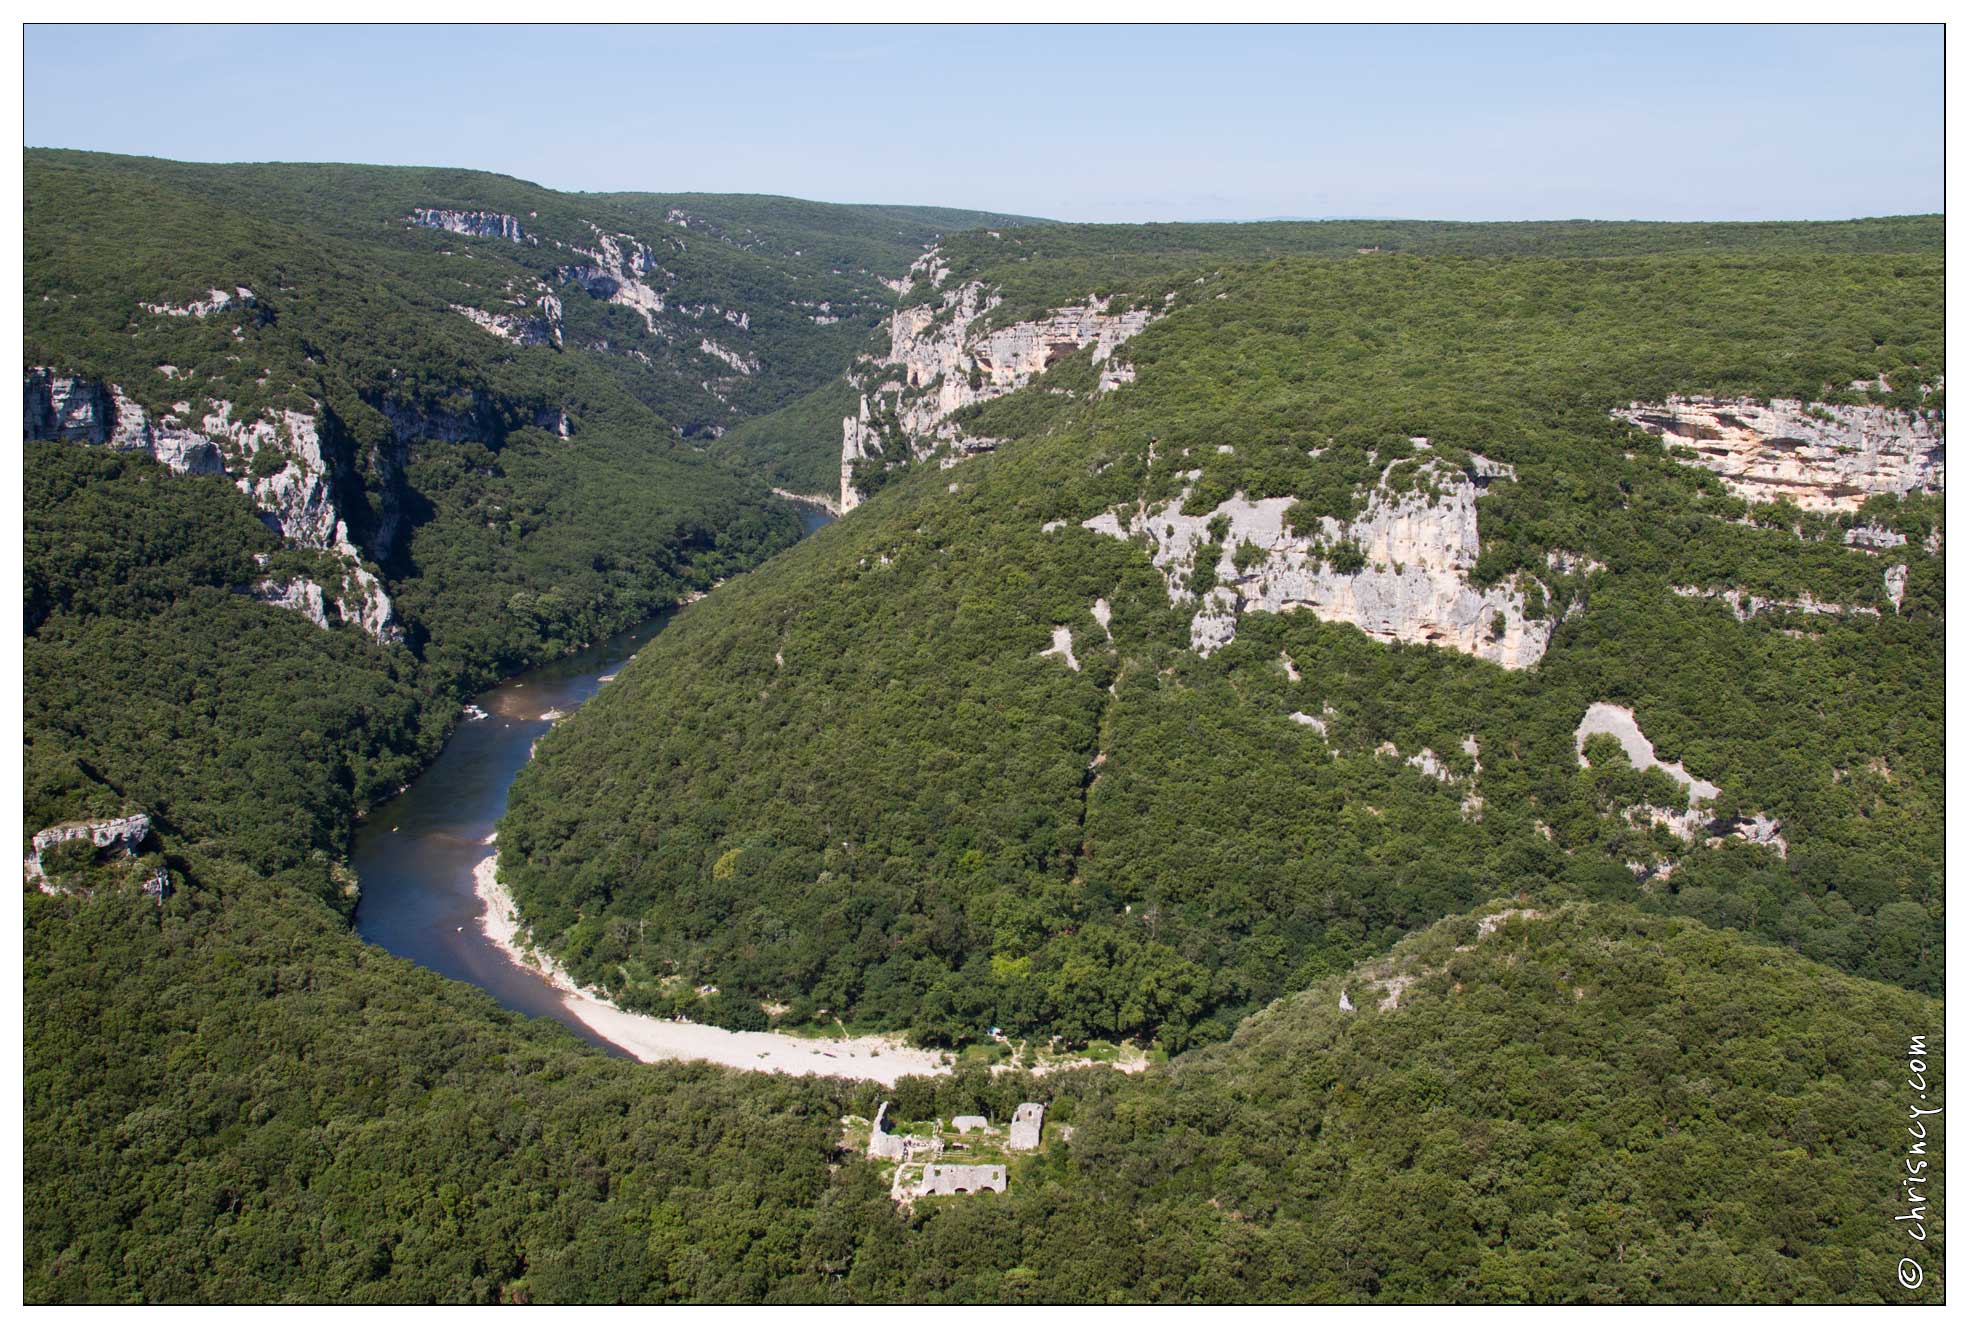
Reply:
x=1399, y=571
x=1822, y=458
x=943, y=356
x=296, y=498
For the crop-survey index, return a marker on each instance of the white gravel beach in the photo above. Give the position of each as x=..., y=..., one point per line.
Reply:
x=648, y=1038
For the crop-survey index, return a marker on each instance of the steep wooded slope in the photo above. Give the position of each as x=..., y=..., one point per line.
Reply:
x=968, y=759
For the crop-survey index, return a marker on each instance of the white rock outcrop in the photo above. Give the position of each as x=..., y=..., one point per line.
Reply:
x=1871, y=535
x=1062, y=647
x=615, y=272
x=79, y=410
x=744, y=364
x=299, y=594
x=1687, y=822
x=123, y=833
x=1822, y=458
x=1618, y=721
x=1417, y=550
x=942, y=358
x=460, y=221
x=215, y=300
x=936, y=348
x=296, y=500
x=1747, y=606
x=538, y=324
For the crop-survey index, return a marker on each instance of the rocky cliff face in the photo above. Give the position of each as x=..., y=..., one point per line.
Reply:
x=214, y=302
x=858, y=440
x=123, y=835
x=491, y=225
x=79, y=410
x=534, y=324
x=298, y=594
x=614, y=272
x=1409, y=557
x=1822, y=458
x=941, y=359
x=1747, y=606
x=296, y=499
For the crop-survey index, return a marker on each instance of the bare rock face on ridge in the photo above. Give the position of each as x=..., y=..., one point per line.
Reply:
x=1822, y=458
x=486, y=225
x=296, y=500
x=948, y=361
x=1417, y=550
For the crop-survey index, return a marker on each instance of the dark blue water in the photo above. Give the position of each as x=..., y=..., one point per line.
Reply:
x=416, y=853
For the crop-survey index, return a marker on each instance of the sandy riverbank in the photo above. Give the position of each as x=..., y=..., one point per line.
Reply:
x=650, y=1039
x=820, y=501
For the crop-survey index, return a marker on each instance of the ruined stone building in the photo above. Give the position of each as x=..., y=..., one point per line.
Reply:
x=959, y=1179
x=902, y=1148
x=1025, y=1126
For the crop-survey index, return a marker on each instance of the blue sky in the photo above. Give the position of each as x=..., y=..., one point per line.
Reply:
x=1079, y=123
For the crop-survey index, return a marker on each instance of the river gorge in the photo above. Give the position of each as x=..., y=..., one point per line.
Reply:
x=425, y=861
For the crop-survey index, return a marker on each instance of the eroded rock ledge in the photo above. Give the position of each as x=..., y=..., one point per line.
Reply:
x=294, y=498
x=1400, y=571
x=1821, y=458
x=486, y=225
x=1684, y=823
x=524, y=324
x=941, y=359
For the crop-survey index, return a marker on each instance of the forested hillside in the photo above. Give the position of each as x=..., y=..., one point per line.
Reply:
x=1521, y=1107
x=785, y=290
x=1460, y=1002
x=249, y=1106
x=968, y=760
x=1039, y=267
x=303, y=468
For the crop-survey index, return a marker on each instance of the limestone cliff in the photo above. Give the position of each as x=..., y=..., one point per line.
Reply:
x=292, y=484
x=491, y=225
x=298, y=594
x=113, y=836
x=1399, y=571
x=943, y=356
x=535, y=323
x=1822, y=458
x=614, y=272
x=79, y=410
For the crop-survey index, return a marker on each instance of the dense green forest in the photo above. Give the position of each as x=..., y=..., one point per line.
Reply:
x=246, y=1104
x=847, y=780
x=884, y=799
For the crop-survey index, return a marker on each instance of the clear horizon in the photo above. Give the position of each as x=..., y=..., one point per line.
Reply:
x=1078, y=123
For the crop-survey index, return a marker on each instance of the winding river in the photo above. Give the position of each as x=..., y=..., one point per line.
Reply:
x=417, y=854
